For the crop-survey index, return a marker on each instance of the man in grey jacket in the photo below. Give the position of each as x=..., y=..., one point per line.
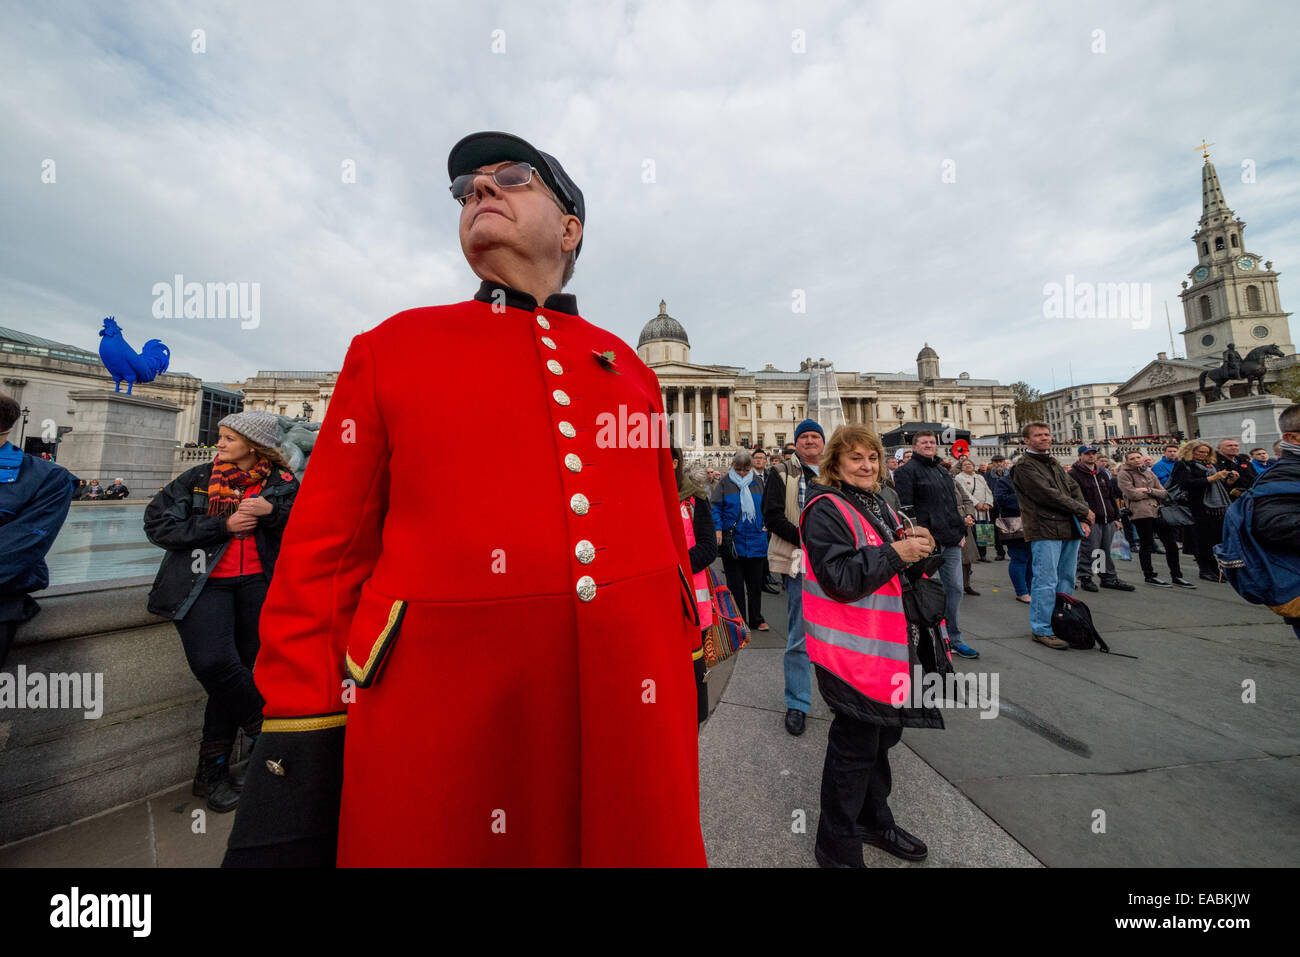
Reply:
x=1056, y=518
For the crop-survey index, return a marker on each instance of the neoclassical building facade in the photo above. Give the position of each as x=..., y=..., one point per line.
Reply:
x=1229, y=296
x=714, y=408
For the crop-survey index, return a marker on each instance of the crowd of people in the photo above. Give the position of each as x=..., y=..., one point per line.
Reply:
x=547, y=717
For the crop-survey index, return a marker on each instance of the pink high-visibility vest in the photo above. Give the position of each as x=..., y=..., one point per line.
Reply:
x=863, y=642
x=700, y=578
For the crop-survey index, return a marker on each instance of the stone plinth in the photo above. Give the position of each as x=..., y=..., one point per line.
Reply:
x=1251, y=420
x=115, y=435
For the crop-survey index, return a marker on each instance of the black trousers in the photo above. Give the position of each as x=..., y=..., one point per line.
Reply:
x=1209, y=532
x=219, y=634
x=856, y=782
x=701, y=689
x=1148, y=529
x=745, y=579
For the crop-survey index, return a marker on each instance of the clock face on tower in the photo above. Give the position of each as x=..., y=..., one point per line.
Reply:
x=1200, y=274
x=1246, y=263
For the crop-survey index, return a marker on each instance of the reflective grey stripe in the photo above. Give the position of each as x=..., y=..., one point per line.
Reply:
x=701, y=594
x=873, y=602
x=894, y=651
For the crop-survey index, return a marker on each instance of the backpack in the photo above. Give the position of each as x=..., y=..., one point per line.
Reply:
x=1260, y=576
x=1072, y=622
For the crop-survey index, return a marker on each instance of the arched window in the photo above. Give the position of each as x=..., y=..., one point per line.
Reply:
x=1252, y=299
x=1233, y=237
x=1218, y=243
x=1205, y=308
x=1205, y=249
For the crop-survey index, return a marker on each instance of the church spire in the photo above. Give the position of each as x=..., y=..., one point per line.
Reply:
x=1214, y=208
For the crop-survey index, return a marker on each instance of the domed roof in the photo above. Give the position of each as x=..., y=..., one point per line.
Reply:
x=663, y=326
x=926, y=353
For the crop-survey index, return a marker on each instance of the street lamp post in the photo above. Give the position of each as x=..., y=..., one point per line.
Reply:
x=22, y=435
x=306, y=411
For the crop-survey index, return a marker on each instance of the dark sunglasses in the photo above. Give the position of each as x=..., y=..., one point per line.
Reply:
x=513, y=174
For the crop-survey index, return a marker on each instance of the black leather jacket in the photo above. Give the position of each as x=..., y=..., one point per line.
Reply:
x=926, y=486
x=176, y=519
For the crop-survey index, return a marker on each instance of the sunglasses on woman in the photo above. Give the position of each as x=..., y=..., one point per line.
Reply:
x=509, y=176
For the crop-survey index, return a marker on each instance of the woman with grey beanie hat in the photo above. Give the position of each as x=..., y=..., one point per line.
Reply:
x=221, y=524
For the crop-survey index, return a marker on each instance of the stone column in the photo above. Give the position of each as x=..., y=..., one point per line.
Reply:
x=753, y=417
x=699, y=418
x=1144, y=423
x=717, y=432
x=1162, y=424
x=1180, y=415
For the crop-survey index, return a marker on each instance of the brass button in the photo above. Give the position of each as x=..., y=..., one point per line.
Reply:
x=567, y=430
x=586, y=588
x=555, y=367
x=573, y=463
x=585, y=551
x=541, y=321
x=276, y=767
x=560, y=396
x=548, y=342
x=579, y=504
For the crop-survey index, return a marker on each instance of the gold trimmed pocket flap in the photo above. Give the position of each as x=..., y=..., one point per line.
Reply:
x=374, y=629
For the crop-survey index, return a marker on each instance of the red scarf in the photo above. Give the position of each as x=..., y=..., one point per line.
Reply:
x=228, y=483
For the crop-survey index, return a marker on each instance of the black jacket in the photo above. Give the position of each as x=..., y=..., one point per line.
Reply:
x=1195, y=483
x=1277, y=517
x=1096, y=488
x=176, y=519
x=847, y=573
x=927, y=487
x=705, y=549
x=1241, y=465
x=774, y=501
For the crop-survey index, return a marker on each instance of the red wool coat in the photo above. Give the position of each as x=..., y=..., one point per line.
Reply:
x=514, y=623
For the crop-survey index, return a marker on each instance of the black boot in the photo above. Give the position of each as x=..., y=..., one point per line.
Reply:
x=212, y=780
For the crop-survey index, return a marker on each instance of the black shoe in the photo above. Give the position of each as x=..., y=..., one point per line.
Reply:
x=986, y=561
x=212, y=780
x=1116, y=584
x=1206, y=576
x=1001, y=558
x=971, y=591
x=1183, y=583
x=1087, y=584
x=772, y=589
x=794, y=721
x=824, y=859
x=896, y=841
x=1153, y=580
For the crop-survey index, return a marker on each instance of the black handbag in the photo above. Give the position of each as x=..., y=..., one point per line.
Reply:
x=729, y=542
x=924, y=602
x=1175, y=512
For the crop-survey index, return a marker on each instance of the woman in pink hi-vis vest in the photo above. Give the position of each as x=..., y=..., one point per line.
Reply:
x=858, y=562
x=697, y=523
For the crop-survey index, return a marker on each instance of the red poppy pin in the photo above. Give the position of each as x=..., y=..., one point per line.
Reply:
x=287, y=476
x=606, y=359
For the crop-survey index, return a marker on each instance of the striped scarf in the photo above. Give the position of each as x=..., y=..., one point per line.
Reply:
x=228, y=483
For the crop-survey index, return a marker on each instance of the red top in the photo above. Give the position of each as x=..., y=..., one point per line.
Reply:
x=240, y=556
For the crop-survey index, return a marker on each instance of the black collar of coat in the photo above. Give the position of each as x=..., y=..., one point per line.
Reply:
x=518, y=299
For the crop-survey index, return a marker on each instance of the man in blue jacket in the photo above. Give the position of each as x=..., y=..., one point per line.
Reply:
x=1166, y=465
x=34, y=499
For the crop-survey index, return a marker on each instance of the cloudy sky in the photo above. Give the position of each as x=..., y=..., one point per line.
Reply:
x=919, y=171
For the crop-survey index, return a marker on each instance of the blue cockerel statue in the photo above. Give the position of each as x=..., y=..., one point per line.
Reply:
x=124, y=364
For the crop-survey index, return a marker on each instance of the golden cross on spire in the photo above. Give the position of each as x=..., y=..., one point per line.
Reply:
x=1205, y=149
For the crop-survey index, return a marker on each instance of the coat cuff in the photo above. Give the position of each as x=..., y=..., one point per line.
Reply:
x=289, y=808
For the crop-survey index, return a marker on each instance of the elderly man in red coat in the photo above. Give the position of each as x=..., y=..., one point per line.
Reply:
x=484, y=665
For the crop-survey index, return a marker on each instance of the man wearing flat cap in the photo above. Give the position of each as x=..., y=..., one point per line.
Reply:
x=495, y=669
